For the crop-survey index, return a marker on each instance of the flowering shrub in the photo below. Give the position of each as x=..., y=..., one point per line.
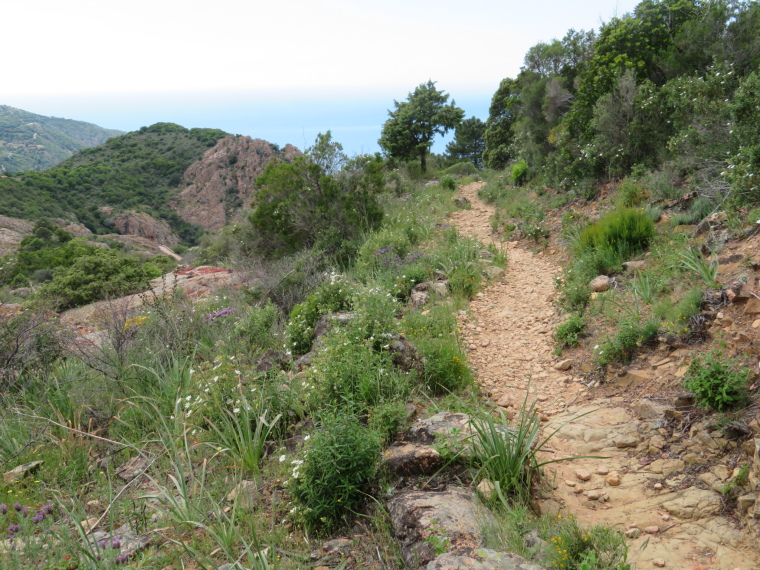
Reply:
x=332, y=296
x=333, y=478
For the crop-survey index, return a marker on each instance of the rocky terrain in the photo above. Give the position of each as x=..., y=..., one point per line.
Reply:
x=659, y=466
x=216, y=187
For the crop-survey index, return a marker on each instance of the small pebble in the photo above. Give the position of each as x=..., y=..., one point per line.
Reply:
x=582, y=474
x=659, y=562
x=666, y=517
x=569, y=483
x=602, y=470
x=632, y=533
x=658, y=486
x=652, y=529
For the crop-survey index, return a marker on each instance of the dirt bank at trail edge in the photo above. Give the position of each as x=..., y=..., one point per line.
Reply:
x=509, y=337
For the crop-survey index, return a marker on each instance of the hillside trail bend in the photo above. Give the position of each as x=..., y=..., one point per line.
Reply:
x=508, y=334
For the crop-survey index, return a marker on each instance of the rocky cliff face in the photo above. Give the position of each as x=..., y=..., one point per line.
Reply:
x=12, y=231
x=216, y=187
x=140, y=224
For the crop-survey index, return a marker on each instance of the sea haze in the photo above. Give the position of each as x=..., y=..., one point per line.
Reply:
x=355, y=121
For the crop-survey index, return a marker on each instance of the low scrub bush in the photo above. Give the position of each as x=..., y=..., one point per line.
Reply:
x=623, y=346
x=625, y=232
x=349, y=374
x=461, y=169
x=382, y=252
x=448, y=183
x=258, y=326
x=334, y=295
x=446, y=368
x=698, y=211
x=570, y=332
x=718, y=382
x=520, y=173
x=596, y=548
x=334, y=477
x=630, y=194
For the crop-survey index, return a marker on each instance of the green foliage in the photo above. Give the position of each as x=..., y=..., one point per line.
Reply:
x=300, y=205
x=352, y=376
x=413, y=124
x=258, y=326
x=622, y=346
x=461, y=169
x=625, y=232
x=498, y=135
x=693, y=260
x=630, y=194
x=332, y=296
x=520, y=173
x=570, y=332
x=698, y=210
x=139, y=170
x=102, y=274
x=598, y=548
x=468, y=143
x=448, y=183
x=333, y=479
x=718, y=382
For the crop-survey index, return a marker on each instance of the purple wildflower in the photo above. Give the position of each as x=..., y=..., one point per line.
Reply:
x=3, y=509
x=17, y=506
x=115, y=543
x=121, y=559
x=211, y=318
x=38, y=518
x=14, y=528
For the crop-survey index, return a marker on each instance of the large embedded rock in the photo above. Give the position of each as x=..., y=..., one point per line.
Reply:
x=451, y=519
x=443, y=425
x=18, y=473
x=482, y=559
x=411, y=459
x=405, y=354
x=600, y=283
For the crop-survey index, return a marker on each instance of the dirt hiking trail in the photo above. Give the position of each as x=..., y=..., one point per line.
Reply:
x=670, y=521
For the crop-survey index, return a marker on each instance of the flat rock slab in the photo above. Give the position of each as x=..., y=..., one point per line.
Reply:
x=694, y=504
x=411, y=459
x=446, y=425
x=18, y=473
x=452, y=519
x=482, y=559
x=123, y=539
x=132, y=468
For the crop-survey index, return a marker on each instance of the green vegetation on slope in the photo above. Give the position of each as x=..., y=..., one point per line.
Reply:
x=35, y=142
x=140, y=170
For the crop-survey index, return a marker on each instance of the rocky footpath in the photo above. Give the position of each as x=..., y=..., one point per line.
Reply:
x=670, y=479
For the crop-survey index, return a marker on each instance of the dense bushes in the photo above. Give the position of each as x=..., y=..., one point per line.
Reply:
x=624, y=232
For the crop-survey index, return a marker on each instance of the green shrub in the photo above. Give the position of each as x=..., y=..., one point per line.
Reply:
x=332, y=296
x=623, y=346
x=349, y=374
x=698, y=210
x=630, y=194
x=676, y=317
x=382, y=250
x=462, y=169
x=599, y=547
x=717, y=382
x=258, y=325
x=571, y=331
x=625, y=232
x=338, y=467
x=446, y=368
x=448, y=183
x=520, y=173
x=387, y=418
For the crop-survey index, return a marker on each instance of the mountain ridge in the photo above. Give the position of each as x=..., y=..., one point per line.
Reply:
x=29, y=141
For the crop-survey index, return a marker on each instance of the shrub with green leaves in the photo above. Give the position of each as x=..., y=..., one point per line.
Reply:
x=333, y=479
x=623, y=346
x=448, y=183
x=258, y=325
x=571, y=331
x=624, y=231
x=349, y=374
x=630, y=193
x=520, y=173
x=718, y=382
x=332, y=296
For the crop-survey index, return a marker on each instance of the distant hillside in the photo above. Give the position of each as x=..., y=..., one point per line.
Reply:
x=35, y=142
x=142, y=177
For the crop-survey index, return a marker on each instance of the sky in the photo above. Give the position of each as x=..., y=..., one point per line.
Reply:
x=282, y=71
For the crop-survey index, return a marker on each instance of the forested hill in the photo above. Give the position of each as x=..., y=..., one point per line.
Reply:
x=35, y=142
x=136, y=171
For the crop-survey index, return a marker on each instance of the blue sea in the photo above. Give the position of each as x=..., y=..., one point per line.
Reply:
x=355, y=122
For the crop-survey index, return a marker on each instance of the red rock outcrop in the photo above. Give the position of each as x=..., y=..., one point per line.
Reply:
x=216, y=187
x=143, y=225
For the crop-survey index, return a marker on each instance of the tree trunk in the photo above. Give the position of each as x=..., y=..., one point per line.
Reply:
x=423, y=162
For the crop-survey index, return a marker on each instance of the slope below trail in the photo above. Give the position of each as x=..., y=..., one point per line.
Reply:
x=509, y=338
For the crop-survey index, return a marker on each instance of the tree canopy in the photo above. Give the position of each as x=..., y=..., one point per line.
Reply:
x=412, y=125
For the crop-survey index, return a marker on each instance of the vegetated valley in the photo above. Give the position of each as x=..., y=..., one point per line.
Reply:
x=536, y=350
